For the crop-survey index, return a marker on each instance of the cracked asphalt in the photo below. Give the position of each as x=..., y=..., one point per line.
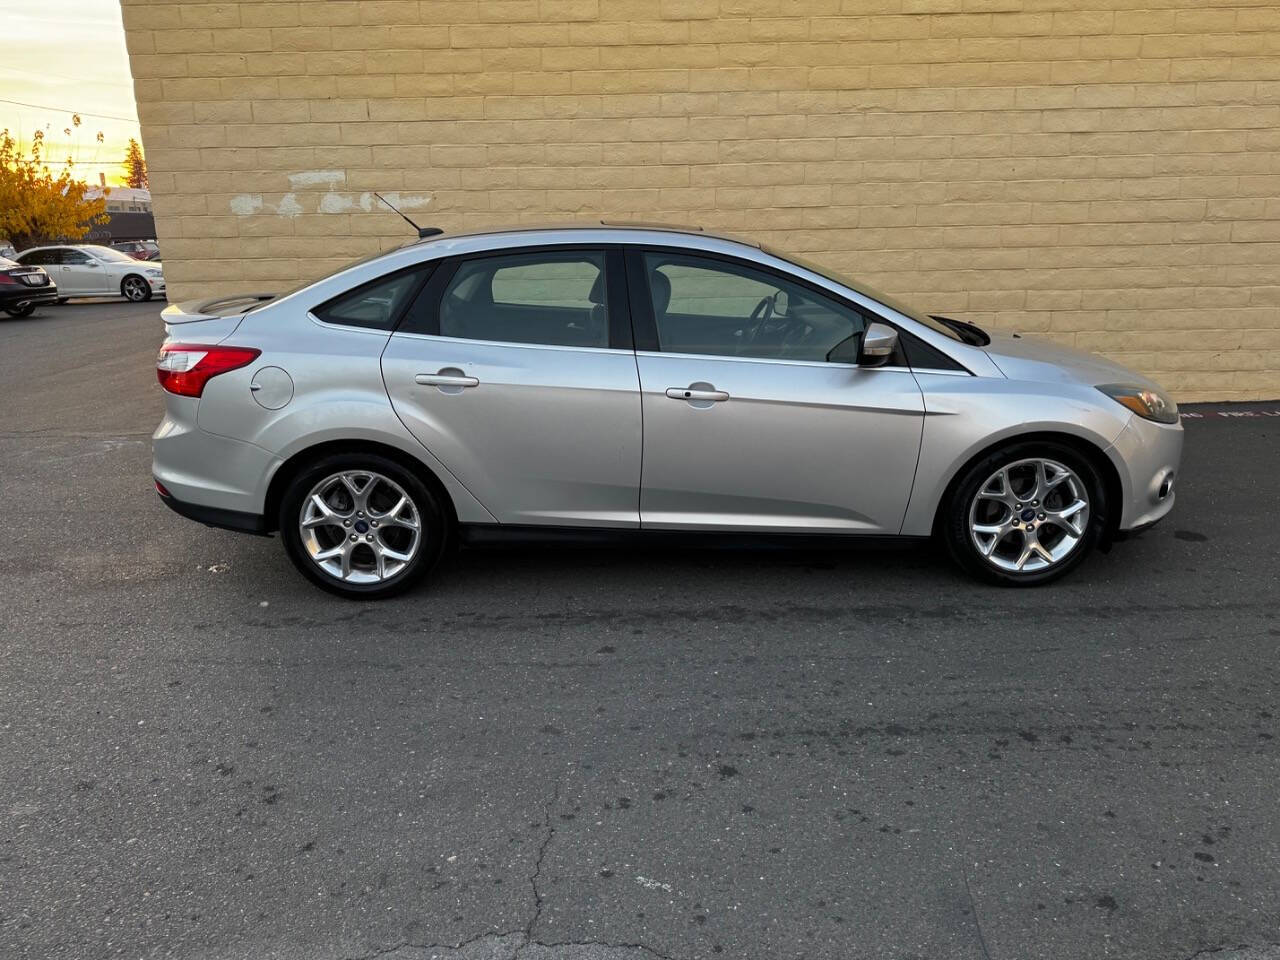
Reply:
x=614, y=755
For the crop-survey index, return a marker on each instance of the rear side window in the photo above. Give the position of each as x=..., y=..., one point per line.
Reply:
x=36, y=257
x=557, y=298
x=376, y=305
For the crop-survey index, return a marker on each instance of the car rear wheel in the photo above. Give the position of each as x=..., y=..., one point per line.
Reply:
x=1026, y=514
x=361, y=526
x=135, y=288
x=23, y=311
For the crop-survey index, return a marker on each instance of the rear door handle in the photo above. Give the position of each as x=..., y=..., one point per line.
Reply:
x=696, y=393
x=445, y=380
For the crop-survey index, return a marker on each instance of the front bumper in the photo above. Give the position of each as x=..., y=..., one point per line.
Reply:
x=1147, y=455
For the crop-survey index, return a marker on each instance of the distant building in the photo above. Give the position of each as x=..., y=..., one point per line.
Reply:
x=129, y=213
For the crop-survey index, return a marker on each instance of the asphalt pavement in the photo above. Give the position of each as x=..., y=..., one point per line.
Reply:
x=618, y=755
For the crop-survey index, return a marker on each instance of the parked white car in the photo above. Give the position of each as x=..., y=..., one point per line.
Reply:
x=90, y=270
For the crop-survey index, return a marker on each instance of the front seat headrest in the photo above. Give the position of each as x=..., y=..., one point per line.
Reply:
x=660, y=286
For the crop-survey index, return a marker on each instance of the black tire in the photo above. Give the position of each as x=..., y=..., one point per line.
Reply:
x=23, y=311
x=135, y=289
x=954, y=525
x=433, y=532
x=62, y=300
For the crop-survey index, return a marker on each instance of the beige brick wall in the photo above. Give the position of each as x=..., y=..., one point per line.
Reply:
x=1106, y=172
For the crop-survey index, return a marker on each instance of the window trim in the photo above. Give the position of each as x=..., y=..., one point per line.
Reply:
x=427, y=267
x=426, y=306
x=646, y=327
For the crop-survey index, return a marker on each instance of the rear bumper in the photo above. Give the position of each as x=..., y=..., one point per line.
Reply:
x=36, y=295
x=216, y=517
x=1147, y=456
x=220, y=479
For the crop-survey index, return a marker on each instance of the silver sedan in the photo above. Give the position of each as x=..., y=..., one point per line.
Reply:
x=632, y=381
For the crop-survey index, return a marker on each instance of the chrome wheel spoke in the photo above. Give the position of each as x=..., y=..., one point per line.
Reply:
x=1069, y=517
x=398, y=516
x=1004, y=493
x=332, y=553
x=318, y=513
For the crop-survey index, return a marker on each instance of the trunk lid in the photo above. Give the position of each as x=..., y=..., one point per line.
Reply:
x=209, y=321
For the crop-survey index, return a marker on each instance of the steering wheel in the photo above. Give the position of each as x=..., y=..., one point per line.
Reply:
x=762, y=312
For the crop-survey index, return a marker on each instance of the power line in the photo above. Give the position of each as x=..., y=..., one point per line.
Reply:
x=66, y=76
x=86, y=113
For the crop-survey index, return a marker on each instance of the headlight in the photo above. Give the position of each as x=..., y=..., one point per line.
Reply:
x=154, y=273
x=1145, y=402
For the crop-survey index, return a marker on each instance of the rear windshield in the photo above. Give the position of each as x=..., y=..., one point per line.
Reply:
x=332, y=273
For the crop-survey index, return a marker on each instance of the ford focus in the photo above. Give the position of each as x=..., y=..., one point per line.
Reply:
x=632, y=381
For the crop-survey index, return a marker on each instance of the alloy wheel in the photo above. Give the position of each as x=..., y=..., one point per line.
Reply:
x=135, y=289
x=1029, y=515
x=360, y=527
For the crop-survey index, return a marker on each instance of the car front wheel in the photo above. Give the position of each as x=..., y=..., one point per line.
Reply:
x=1025, y=514
x=135, y=288
x=361, y=526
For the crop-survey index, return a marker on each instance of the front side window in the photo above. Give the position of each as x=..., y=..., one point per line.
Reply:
x=723, y=308
x=74, y=257
x=556, y=298
x=375, y=305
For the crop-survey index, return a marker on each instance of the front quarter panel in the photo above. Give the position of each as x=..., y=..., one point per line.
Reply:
x=965, y=415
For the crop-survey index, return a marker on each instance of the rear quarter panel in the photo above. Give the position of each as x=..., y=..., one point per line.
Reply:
x=338, y=394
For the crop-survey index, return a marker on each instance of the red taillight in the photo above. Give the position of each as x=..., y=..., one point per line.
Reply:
x=7, y=278
x=184, y=368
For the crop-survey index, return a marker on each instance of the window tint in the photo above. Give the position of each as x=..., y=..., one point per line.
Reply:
x=707, y=306
x=555, y=298
x=376, y=305
x=75, y=256
x=41, y=257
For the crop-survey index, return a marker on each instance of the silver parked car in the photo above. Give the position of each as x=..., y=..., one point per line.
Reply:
x=640, y=381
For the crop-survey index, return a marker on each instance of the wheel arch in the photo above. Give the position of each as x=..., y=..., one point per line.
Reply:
x=299, y=460
x=1113, y=489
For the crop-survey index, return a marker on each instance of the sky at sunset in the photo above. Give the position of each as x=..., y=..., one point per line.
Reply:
x=68, y=56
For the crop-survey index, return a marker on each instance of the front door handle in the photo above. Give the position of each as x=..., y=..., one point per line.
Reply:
x=445, y=380
x=697, y=391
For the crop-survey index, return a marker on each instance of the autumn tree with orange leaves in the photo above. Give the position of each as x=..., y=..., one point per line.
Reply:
x=35, y=206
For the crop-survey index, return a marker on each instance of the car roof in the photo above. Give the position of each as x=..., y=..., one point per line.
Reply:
x=596, y=227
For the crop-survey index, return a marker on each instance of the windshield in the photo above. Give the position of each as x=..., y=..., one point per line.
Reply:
x=105, y=253
x=869, y=291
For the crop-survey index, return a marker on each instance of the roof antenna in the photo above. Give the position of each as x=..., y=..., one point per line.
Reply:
x=423, y=232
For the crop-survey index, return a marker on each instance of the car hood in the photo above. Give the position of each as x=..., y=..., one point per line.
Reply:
x=1022, y=357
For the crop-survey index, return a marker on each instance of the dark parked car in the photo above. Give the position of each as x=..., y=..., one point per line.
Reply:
x=22, y=289
x=139, y=249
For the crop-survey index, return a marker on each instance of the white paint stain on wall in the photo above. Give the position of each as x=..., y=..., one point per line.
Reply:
x=316, y=178
x=246, y=204
x=330, y=201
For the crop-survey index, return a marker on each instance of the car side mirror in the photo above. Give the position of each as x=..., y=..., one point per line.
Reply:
x=878, y=345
